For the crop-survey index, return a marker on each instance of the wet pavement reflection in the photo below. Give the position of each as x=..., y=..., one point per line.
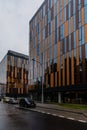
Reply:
x=12, y=118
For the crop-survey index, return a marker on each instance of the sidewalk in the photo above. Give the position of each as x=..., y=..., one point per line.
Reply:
x=59, y=111
x=60, y=108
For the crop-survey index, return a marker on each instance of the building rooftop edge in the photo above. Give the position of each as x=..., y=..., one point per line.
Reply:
x=37, y=11
x=10, y=52
x=2, y=84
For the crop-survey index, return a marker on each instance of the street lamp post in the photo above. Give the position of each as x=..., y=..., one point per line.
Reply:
x=42, y=95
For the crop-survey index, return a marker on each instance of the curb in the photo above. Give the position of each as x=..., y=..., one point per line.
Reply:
x=64, y=110
x=55, y=115
x=29, y=109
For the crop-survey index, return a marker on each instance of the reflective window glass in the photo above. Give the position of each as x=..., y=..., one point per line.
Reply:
x=85, y=2
x=86, y=14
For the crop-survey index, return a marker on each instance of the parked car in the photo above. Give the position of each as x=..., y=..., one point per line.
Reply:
x=6, y=99
x=13, y=101
x=27, y=102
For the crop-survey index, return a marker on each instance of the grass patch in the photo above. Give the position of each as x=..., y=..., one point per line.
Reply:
x=74, y=106
x=71, y=106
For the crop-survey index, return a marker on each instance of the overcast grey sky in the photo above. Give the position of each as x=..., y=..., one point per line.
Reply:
x=14, y=24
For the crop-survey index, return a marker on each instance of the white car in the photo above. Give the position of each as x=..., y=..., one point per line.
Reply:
x=6, y=99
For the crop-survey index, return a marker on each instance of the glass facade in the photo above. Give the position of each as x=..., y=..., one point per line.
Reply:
x=14, y=73
x=3, y=69
x=3, y=79
x=62, y=40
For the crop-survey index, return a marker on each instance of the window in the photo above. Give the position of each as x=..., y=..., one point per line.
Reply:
x=50, y=53
x=64, y=3
x=80, y=50
x=41, y=58
x=74, y=22
x=79, y=9
x=60, y=5
x=61, y=32
x=15, y=61
x=85, y=2
x=69, y=10
x=43, y=33
x=69, y=26
x=60, y=17
x=50, y=40
x=49, y=16
x=80, y=18
x=50, y=3
x=65, y=45
x=86, y=13
x=38, y=49
x=55, y=1
x=61, y=62
x=55, y=53
x=61, y=46
x=74, y=6
x=43, y=10
x=55, y=9
x=55, y=21
x=39, y=37
x=38, y=28
x=74, y=39
x=64, y=14
x=49, y=26
x=56, y=29
x=34, y=42
x=82, y=34
x=86, y=51
x=69, y=42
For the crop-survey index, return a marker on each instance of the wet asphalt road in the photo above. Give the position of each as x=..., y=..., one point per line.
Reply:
x=12, y=118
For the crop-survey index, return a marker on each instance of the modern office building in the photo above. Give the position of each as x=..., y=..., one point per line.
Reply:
x=58, y=51
x=14, y=74
x=2, y=90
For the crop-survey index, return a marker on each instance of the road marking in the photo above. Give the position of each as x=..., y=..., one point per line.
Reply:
x=43, y=112
x=82, y=121
x=48, y=113
x=34, y=110
x=38, y=111
x=70, y=118
x=54, y=114
x=61, y=116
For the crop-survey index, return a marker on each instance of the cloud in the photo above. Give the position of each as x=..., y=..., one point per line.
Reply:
x=14, y=24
